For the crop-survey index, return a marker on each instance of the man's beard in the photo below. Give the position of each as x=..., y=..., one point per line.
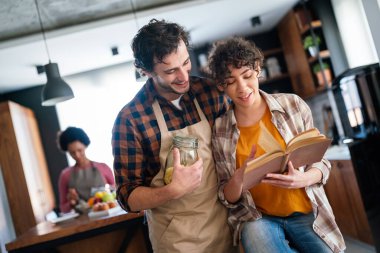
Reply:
x=169, y=88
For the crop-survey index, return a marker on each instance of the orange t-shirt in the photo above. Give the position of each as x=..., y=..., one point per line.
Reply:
x=270, y=199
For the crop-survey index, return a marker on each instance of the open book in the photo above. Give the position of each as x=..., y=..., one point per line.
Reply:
x=303, y=149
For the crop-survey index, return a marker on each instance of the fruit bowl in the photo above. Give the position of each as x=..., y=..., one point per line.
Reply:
x=101, y=197
x=101, y=213
x=103, y=203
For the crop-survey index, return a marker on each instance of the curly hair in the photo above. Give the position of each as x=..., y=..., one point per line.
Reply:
x=236, y=52
x=70, y=135
x=156, y=39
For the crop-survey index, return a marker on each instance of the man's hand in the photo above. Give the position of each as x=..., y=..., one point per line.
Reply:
x=185, y=179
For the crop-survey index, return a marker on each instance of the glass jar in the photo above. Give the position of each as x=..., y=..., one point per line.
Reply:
x=187, y=146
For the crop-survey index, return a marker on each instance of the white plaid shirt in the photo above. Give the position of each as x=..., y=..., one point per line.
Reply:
x=291, y=115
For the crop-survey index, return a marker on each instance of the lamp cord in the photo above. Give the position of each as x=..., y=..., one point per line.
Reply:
x=42, y=29
x=134, y=15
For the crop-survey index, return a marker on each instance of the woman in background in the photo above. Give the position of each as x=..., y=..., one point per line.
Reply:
x=76, y=182
x=285, y=212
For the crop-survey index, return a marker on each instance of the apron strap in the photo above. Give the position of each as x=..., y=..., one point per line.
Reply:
x=201, y=115
x=160, y=117
x=200, y=112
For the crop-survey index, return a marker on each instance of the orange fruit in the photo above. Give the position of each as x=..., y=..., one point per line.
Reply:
x=90, y=201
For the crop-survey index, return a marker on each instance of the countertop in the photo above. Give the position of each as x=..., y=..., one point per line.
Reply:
x=338, y=152
x=48, y=232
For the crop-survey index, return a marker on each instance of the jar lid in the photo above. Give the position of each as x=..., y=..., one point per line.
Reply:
x=185, y=141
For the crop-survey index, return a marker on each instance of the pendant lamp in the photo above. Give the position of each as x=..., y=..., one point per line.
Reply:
x=56, y=90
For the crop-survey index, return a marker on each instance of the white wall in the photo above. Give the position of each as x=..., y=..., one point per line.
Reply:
x=355, y=32
x=7, y=232
x=372, y=11
x=99, y=96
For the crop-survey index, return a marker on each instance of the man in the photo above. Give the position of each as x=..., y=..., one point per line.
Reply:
x=184, y=215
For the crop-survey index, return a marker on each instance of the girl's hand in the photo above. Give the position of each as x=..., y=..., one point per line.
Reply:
x=239, y=173
x=293, y=179
x=234, y=187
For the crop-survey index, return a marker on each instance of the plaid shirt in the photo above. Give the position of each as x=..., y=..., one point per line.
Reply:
x=136, y=136
x=291, y=115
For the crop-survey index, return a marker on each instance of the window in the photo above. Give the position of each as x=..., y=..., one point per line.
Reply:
x=99, y=96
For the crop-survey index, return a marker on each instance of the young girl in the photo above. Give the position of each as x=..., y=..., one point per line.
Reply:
x=286, y=212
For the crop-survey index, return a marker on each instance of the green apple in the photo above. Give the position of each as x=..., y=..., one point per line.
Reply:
x=107, y=196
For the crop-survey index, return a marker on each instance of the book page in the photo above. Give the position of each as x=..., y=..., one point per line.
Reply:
x=304, y=142
x=266, y=140
x=304, y=135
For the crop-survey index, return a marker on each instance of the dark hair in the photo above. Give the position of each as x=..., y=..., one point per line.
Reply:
x=156, y=39
x=70, y=135
x=234, y=51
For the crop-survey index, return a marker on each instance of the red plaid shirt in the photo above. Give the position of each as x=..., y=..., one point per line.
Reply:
x=136, y=136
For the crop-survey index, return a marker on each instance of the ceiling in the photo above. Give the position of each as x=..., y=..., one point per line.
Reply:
x=81, y=33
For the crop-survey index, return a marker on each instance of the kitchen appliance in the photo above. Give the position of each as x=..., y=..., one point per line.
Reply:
x=357, y=95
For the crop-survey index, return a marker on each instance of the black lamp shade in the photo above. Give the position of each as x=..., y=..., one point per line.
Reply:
x=56, y=89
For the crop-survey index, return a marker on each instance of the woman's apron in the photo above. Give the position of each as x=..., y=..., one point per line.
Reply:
x=197, y=222
x=83, y=180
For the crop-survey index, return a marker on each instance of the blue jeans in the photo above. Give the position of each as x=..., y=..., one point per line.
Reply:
x=272, y=234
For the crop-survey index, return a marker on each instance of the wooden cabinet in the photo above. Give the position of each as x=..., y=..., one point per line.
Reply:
x=24, y=168
x=320, y=60
x=298, y=65
x=292, y=30
x=344, y=196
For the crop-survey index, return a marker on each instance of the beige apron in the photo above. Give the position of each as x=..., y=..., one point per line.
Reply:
x=197, y=222
x=83, y=180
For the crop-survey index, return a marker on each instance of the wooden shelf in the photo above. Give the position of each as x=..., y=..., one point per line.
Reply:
x=322, y=54
x=272, y=51
x=314, y=24
x=274, y=79
x=292, y=30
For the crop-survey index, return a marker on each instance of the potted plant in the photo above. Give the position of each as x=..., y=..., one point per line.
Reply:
x=320, y=70
x=311, y=45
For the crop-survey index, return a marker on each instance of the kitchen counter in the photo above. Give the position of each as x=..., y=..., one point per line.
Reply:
x=338, y=152
x=120, y=232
